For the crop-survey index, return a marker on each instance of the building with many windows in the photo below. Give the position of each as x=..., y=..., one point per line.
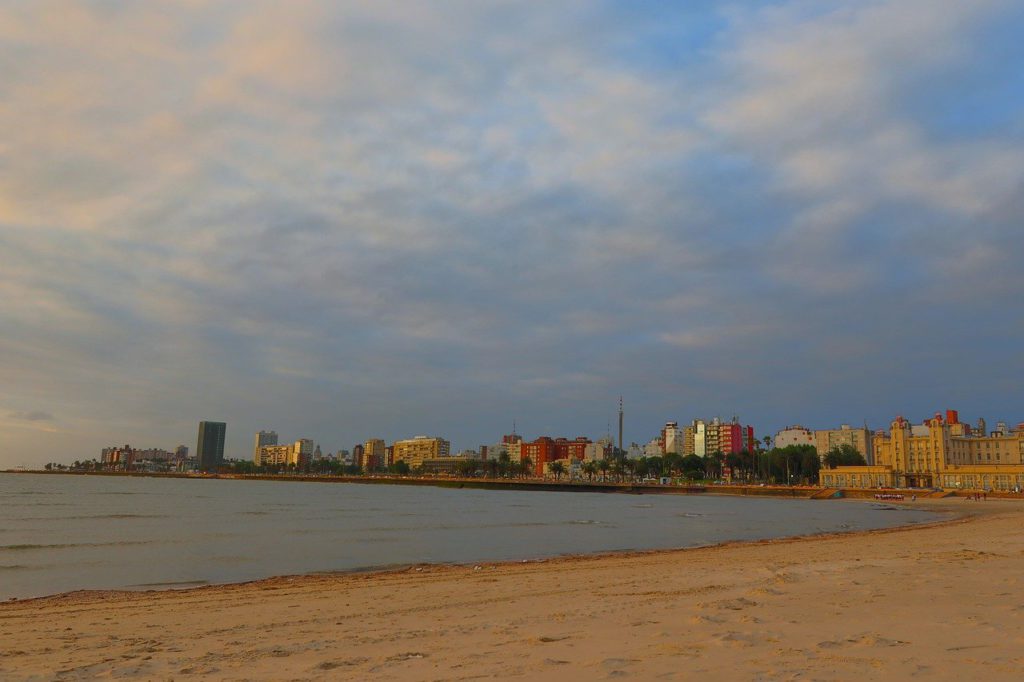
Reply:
x=210, y=445
x=831, y=439
x=415, y=451
x=296, y=454
x=938, y=454
x=262, y=438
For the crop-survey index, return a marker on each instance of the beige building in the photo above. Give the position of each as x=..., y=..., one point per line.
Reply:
x=936, y=457
x=414, y=451
x=689, y=440
x=375, y=454
x=290, y=454
x=263, y=438
x=858, y=439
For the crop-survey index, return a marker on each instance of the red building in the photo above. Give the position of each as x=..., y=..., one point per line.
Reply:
x=545, y=449
x=734, y=438
x=540, y=452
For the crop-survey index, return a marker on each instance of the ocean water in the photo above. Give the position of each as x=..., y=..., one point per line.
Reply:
x=63, y=533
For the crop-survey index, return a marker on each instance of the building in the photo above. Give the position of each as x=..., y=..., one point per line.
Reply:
x=938, y=456
x=374, y=455
x=541, y=451
x=118, y=457
x=672, y=439
x=703, y=438
x=575, y=449
x=514, y=450
x=181, y=452
x=296, y=454
x=262, y=438
x=794, y=435
x=734, y=438
x=450, y=465
x=859, y=439
x=210, y=445
x=415, y=451
x=602, y=449
x=153, y=455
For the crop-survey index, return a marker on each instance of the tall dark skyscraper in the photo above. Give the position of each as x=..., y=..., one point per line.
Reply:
x=210, y=448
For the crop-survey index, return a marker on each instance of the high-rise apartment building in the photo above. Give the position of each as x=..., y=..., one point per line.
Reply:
x=374, y=454
x=700, y=442
x=672, y=439
x=210, y=446
x=262, y=438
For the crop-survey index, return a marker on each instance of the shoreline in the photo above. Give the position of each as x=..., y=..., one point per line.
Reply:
x=817, y=492
x=952, y=516
x=939, y=600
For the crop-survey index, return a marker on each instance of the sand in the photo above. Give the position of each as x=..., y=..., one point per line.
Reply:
x=938, y=602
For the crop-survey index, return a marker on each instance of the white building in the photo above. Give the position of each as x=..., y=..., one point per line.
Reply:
x=673, y=438
x=794, y=435
x=700, y=437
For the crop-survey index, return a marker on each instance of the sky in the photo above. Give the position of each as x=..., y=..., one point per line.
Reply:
x=345, y=220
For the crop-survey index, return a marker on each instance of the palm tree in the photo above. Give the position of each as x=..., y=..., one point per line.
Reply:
x=557, y=468
x=604, y=465
x=589, y=468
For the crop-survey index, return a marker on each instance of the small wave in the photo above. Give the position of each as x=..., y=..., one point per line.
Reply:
x=115, y=492
x=585, y=522
x=16, y=567
x=254, y=513
x=91, y=516
x=71, y=545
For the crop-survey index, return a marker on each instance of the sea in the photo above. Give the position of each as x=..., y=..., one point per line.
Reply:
x=62, y=533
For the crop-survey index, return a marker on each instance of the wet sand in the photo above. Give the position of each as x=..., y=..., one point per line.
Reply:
x=939, y=602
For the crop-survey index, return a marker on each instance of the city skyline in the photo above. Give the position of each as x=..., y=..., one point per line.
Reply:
x=350, y=220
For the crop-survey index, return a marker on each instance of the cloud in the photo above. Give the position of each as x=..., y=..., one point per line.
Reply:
x=32, y=416
x=352, y=219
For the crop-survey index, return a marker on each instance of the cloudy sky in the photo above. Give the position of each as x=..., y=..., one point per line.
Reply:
x=347, y=220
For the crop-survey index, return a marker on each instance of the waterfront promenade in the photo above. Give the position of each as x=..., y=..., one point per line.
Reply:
x=941, y=602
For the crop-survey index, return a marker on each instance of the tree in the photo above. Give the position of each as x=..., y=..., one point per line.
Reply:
x=672, y=464
x=693, y=467
x=557, y=468
x=504, y=462
x=467, y=467
x=589, y=468
x=401, y=467
x=526, y=467
x=844, y=456
x=605, y=466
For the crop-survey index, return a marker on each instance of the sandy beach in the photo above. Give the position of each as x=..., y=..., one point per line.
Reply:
x=937, y=602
